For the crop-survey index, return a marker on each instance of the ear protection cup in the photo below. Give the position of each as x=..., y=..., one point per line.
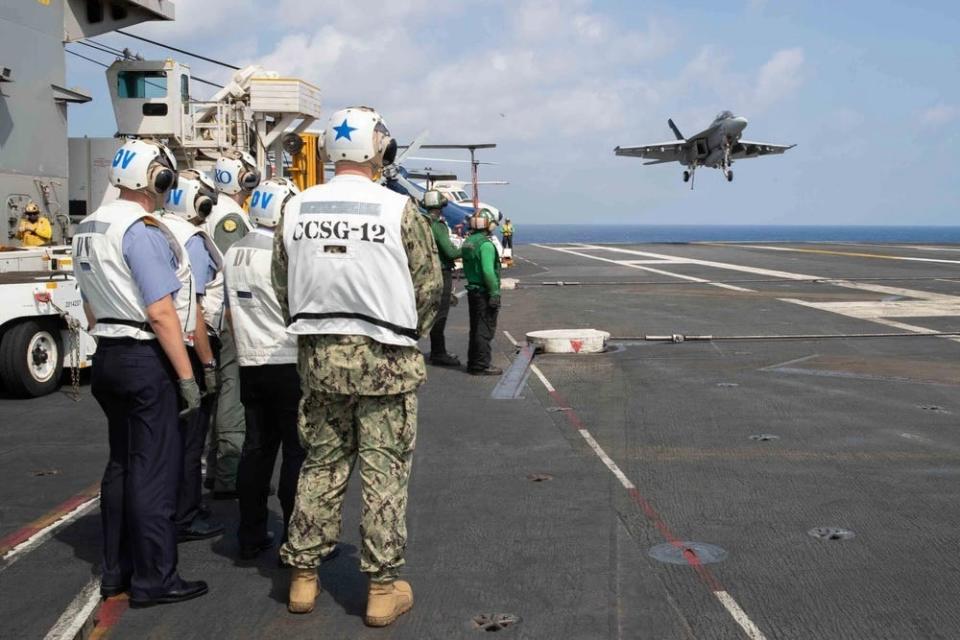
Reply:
x=390, y=152
x=204, y=205
x=162, y=179
x=249, y=180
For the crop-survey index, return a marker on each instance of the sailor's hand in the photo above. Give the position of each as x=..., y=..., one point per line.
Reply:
x=454, y=300
x=189, y=397
x=211, y=378
x=494, y=302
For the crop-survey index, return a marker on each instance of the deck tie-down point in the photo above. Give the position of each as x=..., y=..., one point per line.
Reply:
x=495, y=621
x=831, y=533
x=539, y=477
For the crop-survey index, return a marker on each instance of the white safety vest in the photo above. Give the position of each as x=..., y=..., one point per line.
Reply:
x=213, y=294
x=107, y=282
x=348, y=272
x=258, y=326
x=224, y=207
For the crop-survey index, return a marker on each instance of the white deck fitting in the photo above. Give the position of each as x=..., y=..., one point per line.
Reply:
x=569, y=340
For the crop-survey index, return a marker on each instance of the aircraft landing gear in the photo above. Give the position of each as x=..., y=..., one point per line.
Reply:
x=729, y=174
x=690, y=174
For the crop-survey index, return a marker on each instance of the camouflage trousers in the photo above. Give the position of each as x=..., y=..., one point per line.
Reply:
x=335, y=431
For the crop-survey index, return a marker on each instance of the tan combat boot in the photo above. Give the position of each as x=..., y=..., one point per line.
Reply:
x=387, y=602
x=303, y=590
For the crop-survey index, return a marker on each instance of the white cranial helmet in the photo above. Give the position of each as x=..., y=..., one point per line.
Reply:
x=144, y=165
x=194, y=196
x=433, y=199
x=269, y=199
x=236, y=171
x=359, y=134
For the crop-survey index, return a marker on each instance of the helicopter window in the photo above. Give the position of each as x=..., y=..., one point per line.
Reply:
x=142, y=85
x=461, y=196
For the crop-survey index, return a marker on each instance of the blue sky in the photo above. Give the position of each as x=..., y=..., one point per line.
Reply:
x=868, y=90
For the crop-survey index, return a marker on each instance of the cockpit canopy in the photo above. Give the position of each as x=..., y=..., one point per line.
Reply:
x=723, y=115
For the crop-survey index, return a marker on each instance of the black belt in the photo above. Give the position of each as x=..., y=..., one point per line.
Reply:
x=142, y=326
x=397, y=329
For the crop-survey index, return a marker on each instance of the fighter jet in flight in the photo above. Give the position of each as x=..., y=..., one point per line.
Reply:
x=717, y=147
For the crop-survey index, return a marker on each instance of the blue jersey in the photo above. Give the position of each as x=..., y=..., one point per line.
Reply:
x=151, y=261
x=201, y=263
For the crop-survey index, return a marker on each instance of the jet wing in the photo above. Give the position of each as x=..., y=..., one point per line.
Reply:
x=662, y=151
x=750, y=149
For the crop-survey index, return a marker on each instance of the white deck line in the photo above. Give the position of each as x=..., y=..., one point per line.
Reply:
x=739, y=615
x=44, y=534
x=632, y=265
x=597, y=449
x=879, y=256
x=75, y=616
x=543, y=378
x=786, y=275
x=729, y=603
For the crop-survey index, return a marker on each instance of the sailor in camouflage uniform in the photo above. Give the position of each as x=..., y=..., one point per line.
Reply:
x=356, y=273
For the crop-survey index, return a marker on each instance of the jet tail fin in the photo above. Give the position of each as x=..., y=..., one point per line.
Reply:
x=676, y=131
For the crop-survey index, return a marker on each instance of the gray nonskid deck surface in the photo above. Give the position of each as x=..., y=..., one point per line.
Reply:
x=868, y=440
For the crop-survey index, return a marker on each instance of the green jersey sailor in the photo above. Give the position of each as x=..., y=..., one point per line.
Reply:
x=481, y=267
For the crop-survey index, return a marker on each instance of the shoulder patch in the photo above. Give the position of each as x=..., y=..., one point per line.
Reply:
x=229, y=226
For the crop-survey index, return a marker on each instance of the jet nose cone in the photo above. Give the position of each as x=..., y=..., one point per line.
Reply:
x=740, y=123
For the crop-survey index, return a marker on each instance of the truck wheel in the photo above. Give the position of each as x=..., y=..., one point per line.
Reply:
x=31, y=359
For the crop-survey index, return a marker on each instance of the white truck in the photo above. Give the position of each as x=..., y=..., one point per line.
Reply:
x=42, y=324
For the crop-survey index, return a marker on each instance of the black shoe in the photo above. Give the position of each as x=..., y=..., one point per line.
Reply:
x=186, y=590
x=249, y=552
x=445, y=360
x=489, y=371
x=204, y=511
x=109, y=591
x=199, y=530
x=226, y=495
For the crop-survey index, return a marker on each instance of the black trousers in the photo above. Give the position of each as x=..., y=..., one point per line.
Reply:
x=271, y=399
x=508, y=242
x=438, y=343
x=136, y=387
x=193, y=435
x=483, y=326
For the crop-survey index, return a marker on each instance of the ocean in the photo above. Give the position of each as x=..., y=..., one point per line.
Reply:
x=560, y=233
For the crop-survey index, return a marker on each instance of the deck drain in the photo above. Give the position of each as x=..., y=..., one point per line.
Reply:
x=934, y=408
x=45, y=472
x=764, y=437
x=688, y=553
x=557, y=409
x=539, y=477
x=495, y=621
x=727, y=384
x=831, y=533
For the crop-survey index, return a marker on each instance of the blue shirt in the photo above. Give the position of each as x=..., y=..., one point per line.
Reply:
x=201, y=263
x=151, y=261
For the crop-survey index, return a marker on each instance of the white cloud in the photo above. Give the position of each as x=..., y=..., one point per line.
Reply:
x=939, y=115
x=779, y=77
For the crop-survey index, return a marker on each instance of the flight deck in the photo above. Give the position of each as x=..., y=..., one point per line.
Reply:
x=768, y=448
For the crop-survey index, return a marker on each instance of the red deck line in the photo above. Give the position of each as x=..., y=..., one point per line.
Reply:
x=20, y=536
x=648, y=510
